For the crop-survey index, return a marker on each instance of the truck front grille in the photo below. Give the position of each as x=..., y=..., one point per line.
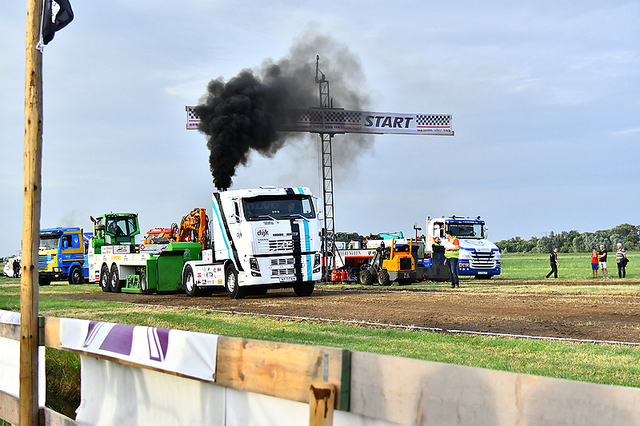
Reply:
x=274, y=246
x=405, y=264
x=42, y=261
x=483, y=260
x=282, y=266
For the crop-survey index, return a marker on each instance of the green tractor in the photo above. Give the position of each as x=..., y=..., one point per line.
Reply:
x=114, y=229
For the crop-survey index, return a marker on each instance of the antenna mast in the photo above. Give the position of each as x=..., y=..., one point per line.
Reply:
x=327, y=177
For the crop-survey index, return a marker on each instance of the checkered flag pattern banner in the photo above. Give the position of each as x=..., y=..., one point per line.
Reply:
x=307, y=115
x=192, y=119
x=433, y=120
x=343, y=116
x=326, y=120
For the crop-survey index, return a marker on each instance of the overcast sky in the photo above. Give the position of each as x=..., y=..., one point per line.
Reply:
x=545, y=99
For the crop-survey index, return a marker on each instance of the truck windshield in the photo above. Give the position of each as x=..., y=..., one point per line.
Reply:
x=121, y=226
x=467, y=230
x=278, y=207
x=49, y=243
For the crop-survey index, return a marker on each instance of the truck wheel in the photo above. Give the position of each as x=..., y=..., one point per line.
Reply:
x=231, y=284
x=75, y=276
x=383, y=277
x=365, y=277
x=189, y=283
x=44, y=281
x=115, y=279
x=304, y=289
x=144, y=287
x=105, y=283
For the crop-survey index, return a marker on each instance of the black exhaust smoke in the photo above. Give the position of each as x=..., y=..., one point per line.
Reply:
x=245, y=113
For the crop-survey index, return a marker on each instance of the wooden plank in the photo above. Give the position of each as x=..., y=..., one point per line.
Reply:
x=9, y=408
x=10, y=331
x=52, y=332
x=282, y=370
x=48, y=417
x=321, y=402
x=415, y=392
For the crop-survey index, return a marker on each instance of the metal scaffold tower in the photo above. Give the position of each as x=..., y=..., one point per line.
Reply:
x=327, y=177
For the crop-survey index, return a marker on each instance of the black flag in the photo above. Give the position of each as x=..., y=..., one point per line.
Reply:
x=57, y=14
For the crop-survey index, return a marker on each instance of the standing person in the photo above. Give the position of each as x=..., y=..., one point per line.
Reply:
x=553, y=260
x=451, y=256
x=602, y=255
x=621, y=261
x=594, y=263
x=16, y=268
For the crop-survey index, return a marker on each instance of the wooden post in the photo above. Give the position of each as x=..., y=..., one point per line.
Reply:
x=28, y=404
x=322, y=398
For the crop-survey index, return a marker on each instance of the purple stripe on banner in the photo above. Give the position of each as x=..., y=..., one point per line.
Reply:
x=158, y=339
x=119, y=339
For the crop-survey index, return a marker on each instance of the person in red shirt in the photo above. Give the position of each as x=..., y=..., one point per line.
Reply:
x=594, y=263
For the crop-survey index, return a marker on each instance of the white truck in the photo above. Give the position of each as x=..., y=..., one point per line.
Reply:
x=262, y=238
x=479, y=257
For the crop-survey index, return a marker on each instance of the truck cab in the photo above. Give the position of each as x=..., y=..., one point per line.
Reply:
x=115, y=229
x=479, y=257
x=262, y=238
x=62, y=255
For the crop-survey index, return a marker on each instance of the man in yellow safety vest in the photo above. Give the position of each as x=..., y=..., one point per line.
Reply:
x=451, y=255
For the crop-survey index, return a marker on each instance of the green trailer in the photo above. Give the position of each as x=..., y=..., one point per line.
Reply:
x=163, y=272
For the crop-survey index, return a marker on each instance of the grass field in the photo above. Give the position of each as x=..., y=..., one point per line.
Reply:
x=573, y=266
x=607, y=364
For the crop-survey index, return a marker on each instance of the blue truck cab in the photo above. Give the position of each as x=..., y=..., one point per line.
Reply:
x=62, y=255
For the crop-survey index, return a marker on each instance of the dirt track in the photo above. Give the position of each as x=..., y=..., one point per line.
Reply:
x=590, y=317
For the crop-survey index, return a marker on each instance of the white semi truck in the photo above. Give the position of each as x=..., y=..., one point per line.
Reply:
x=479, y=257
x=262, y=238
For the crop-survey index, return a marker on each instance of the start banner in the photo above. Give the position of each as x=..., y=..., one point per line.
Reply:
x=331, y=120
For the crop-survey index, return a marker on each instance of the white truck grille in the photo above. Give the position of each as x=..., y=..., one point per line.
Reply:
x=282, y=266
x=483, y=260
x=274, y=246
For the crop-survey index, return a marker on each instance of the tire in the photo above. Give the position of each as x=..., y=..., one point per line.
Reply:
x=105, y=279
x=44, y=281
x=144, y=286
x=365, y=277
x=383, y=277
x=189, y=283
x=231, y=283
x=114, y=278
x=304, y=289
x=76, y=276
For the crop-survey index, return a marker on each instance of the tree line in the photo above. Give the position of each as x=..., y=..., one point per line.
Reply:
x=576, y=242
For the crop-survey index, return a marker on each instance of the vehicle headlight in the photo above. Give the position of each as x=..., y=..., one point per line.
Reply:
x=254, y=265
x=316, y=262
